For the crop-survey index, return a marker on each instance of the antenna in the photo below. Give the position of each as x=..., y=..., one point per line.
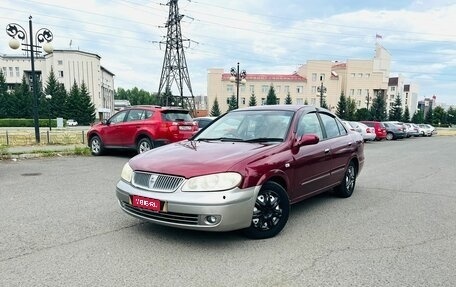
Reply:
x=174, y=68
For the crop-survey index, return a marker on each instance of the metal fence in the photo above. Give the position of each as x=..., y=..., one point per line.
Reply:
x=20, y=138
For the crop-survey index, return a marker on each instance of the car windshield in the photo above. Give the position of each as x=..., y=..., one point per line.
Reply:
x=249, y=126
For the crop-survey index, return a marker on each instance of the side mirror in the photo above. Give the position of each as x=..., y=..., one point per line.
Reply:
x=104, y=122
x=309, y=139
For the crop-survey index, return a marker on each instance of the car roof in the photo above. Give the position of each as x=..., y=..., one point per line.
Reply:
x=292, y=108
x=155, y=107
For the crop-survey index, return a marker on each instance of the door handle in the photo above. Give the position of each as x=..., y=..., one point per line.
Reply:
x=349, y=144
x=327, y=150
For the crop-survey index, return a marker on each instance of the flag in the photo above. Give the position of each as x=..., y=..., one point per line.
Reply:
x=377, y=36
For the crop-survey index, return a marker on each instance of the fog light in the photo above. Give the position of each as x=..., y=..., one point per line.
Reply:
x=212, y=219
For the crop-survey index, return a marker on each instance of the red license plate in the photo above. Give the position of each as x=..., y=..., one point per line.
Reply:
x=145, y=202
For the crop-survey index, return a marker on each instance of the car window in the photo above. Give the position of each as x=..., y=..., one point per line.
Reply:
x=309, y=124
x=135, y=115
x=332, y=126
x=342, y=129
x=119, y=117
x=173, y=116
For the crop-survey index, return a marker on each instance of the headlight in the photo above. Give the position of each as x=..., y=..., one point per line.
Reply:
x=127, y=173
x=213, y=182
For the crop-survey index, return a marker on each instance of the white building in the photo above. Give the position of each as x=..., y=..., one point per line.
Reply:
x=69, y=66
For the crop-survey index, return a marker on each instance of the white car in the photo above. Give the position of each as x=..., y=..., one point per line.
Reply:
x=368, y=133
x=71, y=122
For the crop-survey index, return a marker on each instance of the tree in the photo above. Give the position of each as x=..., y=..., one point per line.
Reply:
x=288, y=100
x=87, y=108
x=215, y=111
x=362, y=114
x=3, y=96
x=428, y=119
x=271, y=98
x=406, y=115
x=58, y=93
x=439, y=117
x=418, y=117
x=395, y=113
x=378, y=108
x=232, y=105
x=341, y=110
x=351, y=109
x=252, y=100
x=22, y=107
x=72, y=103
x=451, y=116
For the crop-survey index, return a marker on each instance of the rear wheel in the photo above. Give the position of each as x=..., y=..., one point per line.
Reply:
x=345, y=189
x=270, y=213
x=144, y=145
x=96, y=146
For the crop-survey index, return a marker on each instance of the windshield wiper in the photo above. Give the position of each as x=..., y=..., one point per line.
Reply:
x=222, y=139
x=262, y=140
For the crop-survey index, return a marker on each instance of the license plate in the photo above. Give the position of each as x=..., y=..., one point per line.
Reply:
x=185, y=128
x=146, y=203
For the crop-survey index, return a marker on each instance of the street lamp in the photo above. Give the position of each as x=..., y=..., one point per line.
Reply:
x=49, y=98
x=238, y=78
x=367, y=100
x=321, y=90
x=42, y=35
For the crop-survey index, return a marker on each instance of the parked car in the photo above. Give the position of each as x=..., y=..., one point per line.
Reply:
x=426, y=130
x=412, y=130
x=394, y=130
x=380, y=130
x=368, y=133
x=243, y=171
x=141, y=128
x=71, y=122
x=203, y=121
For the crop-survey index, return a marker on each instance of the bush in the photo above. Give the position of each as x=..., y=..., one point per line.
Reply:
x=26, y=123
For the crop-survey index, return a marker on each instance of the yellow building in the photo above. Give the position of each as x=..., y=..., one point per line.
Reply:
x=361, y=80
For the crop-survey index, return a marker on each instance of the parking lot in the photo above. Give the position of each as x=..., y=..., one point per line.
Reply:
x=61, y=226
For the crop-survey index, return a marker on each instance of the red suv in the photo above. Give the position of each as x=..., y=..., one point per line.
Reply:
x=380, y=130
x=141, y=128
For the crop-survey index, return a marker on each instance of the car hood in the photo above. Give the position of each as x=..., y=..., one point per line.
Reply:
x=192, y=158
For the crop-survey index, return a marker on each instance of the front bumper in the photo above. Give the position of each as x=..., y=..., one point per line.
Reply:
x=233, y=208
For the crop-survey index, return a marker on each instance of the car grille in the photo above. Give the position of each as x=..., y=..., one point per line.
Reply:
x=157, y=182
x=170, y=217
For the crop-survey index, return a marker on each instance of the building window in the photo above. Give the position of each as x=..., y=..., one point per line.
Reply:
x=367, y=92
x=352, y=92
x=59, y=62
x=360, y=75
x=367, y=75
x=229, y=88
x=243, y=100
x=393, y=88
x=252, y=88
x=4, y=71
x=314, y=77
x=313, y=101
x=299, y=101
x=359, y=103
x=11, y=71
x=352, y=75
x=278, y=101
x=17, y=72
x=314, y=90
x=263, y=101
x=61, y=74
x=299, y=89
x=228, y=100
x=286, y=89
x=243, y=88
x=277, y=89
x=264, y=88
x=322, y=77
x=359, y=92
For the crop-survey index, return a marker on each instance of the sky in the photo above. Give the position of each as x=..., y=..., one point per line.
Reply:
x=263, y=36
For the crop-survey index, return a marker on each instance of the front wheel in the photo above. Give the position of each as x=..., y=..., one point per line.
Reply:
x=346, y=187
x=96, y=146
x=389, y=136
x=144, y=145
x=270, y=213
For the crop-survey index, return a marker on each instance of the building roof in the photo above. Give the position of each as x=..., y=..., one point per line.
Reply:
x=268, y=77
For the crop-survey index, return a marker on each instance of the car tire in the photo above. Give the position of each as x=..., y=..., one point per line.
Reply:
x=345, y=189
x=389, y=136
x=144, y=144
x=270, y=213
x=96, y=146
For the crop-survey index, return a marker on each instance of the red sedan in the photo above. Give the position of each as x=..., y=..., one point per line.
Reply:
x=243, y=171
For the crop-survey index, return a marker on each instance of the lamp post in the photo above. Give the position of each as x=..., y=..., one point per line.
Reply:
x=321, y=90
x=42, y=35
x=238, y=78
x=49, y=98
x=367, y=100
